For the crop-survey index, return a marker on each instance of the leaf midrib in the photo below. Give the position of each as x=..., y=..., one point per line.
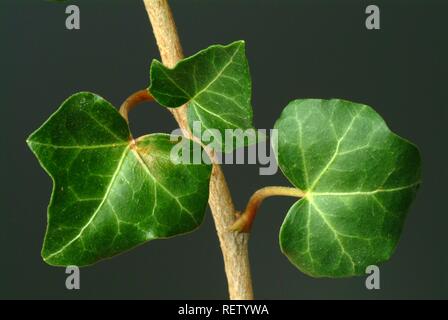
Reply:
x=218, y=75
x=84, y=147
x=336, y=151
x=373, y=192
x=156, y=181
x=311, y=193
x=104, y=199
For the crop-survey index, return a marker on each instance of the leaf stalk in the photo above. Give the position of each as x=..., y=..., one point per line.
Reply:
x=244, y=222
x=133, y=100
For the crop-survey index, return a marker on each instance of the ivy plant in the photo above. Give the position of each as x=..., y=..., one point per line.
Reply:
x=111, y=192
x=355, y=178
x=358, y=179
x=219, y=99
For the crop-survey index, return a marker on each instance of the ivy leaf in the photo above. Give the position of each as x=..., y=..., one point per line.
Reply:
x=216, y=84
x=359, y=179
x=111, y=192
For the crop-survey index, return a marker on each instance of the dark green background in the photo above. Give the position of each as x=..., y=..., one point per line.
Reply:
x=296, y=49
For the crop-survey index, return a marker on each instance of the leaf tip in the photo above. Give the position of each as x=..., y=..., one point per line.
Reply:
x=53, y=259
x=29, y=141
x=47, y=258
x=155, y=63
x=238, y=44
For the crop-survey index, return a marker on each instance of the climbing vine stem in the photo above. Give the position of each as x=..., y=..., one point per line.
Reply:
x=234, y=245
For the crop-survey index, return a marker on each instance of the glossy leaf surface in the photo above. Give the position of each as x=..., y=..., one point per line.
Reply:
x=359, y=179
x=216, y=85
x=111, y=192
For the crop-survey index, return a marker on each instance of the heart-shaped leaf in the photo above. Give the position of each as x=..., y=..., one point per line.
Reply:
x=111, y=192
x=216, y=84
x=359, y=179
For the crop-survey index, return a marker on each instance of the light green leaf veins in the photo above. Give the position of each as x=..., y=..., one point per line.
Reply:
x=216, y=84
x=111, y=192
x=359, y=179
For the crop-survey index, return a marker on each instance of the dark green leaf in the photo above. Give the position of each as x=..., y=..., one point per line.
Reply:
x=216, y=85
x=359, y=179
x=111, y=192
